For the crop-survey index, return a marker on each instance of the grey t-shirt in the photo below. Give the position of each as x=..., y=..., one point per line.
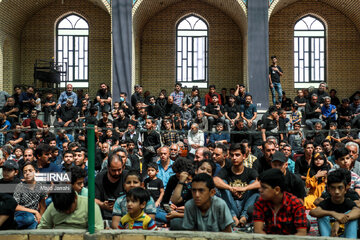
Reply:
x=217, y=218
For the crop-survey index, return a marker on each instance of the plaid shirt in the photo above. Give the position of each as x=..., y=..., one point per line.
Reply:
x=170, y=137
x=290, y=217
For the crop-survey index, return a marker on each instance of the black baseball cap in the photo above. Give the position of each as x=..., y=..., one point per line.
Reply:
x=279, y=156
x=11, y=164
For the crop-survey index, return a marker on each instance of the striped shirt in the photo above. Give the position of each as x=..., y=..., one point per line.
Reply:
x=143, y=221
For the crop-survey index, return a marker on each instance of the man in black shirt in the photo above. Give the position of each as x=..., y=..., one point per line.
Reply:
x=11, y=110
x=121, y=123
x=171, y=108
x=264, y=163
x=109, y=185
x=313, y=112
x=214, y=112
x=294, y=185
x=104, y=120
x=240, y=131
x=320, y=92
x=137, y=95
x=66, y=115
x=10, y=174
x=103, y=98
x=232, y=112
x=270, y=124
x=275, y=72
x=238, y=185
x=154, y=110
x=303, y=163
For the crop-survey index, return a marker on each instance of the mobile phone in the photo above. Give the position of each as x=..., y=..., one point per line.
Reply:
x=111, y=200
x=167, y=208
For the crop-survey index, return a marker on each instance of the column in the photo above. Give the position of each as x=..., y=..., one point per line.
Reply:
x=258, y=52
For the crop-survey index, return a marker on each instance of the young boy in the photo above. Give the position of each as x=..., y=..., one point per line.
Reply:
x=278, y=212
x=295, y=116
x=333, y=133
x=10, y=174
x=153, y=184
x=78, y=176
x=206, y=212
x=334, y=212
x=136, y=200
x=68, y=161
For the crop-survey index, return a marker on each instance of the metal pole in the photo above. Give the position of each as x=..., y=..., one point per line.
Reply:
x=91, y=178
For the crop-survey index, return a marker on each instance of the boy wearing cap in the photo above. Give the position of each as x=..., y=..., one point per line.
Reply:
x=10, y=173
x=277, y=211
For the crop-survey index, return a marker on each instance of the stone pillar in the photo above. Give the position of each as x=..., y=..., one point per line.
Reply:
x=258, y=52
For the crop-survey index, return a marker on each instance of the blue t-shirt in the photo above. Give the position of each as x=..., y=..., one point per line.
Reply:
x=248, y=110
x=50, y=168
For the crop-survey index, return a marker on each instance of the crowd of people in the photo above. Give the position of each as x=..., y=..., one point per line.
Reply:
x=183, y=161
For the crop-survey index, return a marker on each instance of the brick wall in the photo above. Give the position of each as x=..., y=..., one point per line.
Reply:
x=157, y=63
x=37, y=40
x=11, y=63
x=343, y=41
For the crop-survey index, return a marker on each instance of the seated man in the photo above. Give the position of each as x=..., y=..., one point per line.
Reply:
x=32, y=123
x=338, y=208
x=214, y=112
x=236, y=183
x=66, y=115
x=11, y=110
x=69, y=211
x=289, y=217
x=313, y=112
x=16, y=137
x=43, y=162
x=206, y=212
x=109, y=185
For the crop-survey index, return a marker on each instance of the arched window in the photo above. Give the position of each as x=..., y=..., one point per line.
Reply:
x=309, y=52
x=192, y=52
x=72, y=49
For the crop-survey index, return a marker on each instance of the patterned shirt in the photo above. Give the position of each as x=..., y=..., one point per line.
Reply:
x=170, y=137
x=178, y=97
x=248, y=162
x=120, y=207
x=355, y=179
x=29, y=198
x=143, y=221
x=290, y=217
x=296, y=116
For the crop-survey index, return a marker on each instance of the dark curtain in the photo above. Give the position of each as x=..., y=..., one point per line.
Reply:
x=121, y=30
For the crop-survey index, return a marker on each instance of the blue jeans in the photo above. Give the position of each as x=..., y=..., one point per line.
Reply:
x=278, y=89
x=239, y=208
x=160, y=215
x=311, y=122
x=25, y=220
x=325, y=227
